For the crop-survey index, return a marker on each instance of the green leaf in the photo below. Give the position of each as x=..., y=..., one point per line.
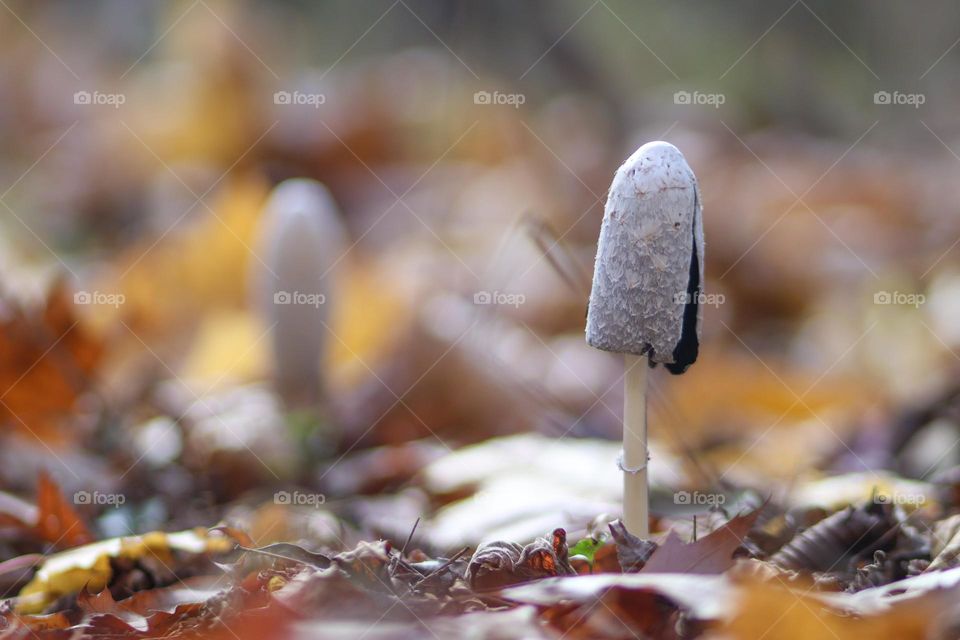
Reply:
x=587, y=547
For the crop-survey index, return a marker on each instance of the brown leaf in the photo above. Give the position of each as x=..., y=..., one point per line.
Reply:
x=773, y=612
x=140, y=611
x=835, y=541
x=632, y=552
x=945, y=546
x=39, y=625
x=247, y=559
x=708, y=555
x=368, y=561
x=498, y=564
x=47, y=359
x=57, y=521
x=632, y=605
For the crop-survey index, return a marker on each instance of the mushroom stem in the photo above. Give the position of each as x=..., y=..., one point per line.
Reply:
x=633, y=461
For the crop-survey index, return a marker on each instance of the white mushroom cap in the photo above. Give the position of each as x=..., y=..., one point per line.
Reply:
x=648, y=275
x=301, y=239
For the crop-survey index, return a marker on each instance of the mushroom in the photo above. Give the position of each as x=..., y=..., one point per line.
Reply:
x=647, y=285
x=301, y=240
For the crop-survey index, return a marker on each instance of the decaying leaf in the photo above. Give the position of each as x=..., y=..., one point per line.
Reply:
x=149, y=610
x=632, y=552
x=839, y=538
x=92, y=566
x=57, y=521
x=498, y=564
x=711, y=554
x=629, y=604
x=945, y=547
x=48, y=359
x=775, y=612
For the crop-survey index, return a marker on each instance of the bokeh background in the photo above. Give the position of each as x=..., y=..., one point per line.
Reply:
x=469, y=147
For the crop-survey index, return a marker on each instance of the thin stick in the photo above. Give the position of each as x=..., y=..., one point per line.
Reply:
x=441, y=567
x=403, y=549
x=634, y=457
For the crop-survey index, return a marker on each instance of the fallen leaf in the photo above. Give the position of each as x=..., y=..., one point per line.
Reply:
x=632, y=552
x=497, y=564
x=945, y=544
x=774, y=612
x=630, y=604
x=57, y=521
x=91, y=566
x=711, y=554
x=839, y=538
x=48, y=360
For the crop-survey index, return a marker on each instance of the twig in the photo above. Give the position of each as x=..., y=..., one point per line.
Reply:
x=403, y=549
x=442, y=567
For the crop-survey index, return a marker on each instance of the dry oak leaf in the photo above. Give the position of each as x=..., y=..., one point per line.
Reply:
x=57, y=521
x=46, y=361
x=712, y=554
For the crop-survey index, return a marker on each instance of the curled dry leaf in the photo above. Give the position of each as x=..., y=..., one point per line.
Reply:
x=369, y=561
x=945, y=546
x=839, y=538
x=498, y=564
x=632, y=552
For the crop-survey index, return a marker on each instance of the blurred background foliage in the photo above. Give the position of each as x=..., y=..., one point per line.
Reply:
x=817, y=199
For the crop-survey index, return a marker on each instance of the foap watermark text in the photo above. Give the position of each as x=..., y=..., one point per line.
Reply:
x=899, y=98
x=699, y=98
x=299, y=98
x=496, y=97
x=699, y=498
x=99, y=298
x=702, y=299
x=499, y=298
x=299, y=298
x=97, y=98
x=99, y=499
x=899, y=298
x=299, y=499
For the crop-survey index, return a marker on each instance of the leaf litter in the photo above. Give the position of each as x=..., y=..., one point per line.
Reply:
x=155, y=484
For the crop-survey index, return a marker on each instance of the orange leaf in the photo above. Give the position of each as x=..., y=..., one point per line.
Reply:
x=57, y=521
x=47, y=361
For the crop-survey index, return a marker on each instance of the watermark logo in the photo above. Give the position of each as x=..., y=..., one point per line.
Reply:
x=701, y=298
x=908, y=499
x=299, y=298
x=97, y=98
x=698, y=98
x=99, y=499
x=299, y=98
x=899, y=298
x=699, y=498
x=99, y=298
x=499, y=298
x=299, y=499
x=899, y=98
x=511, y=99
